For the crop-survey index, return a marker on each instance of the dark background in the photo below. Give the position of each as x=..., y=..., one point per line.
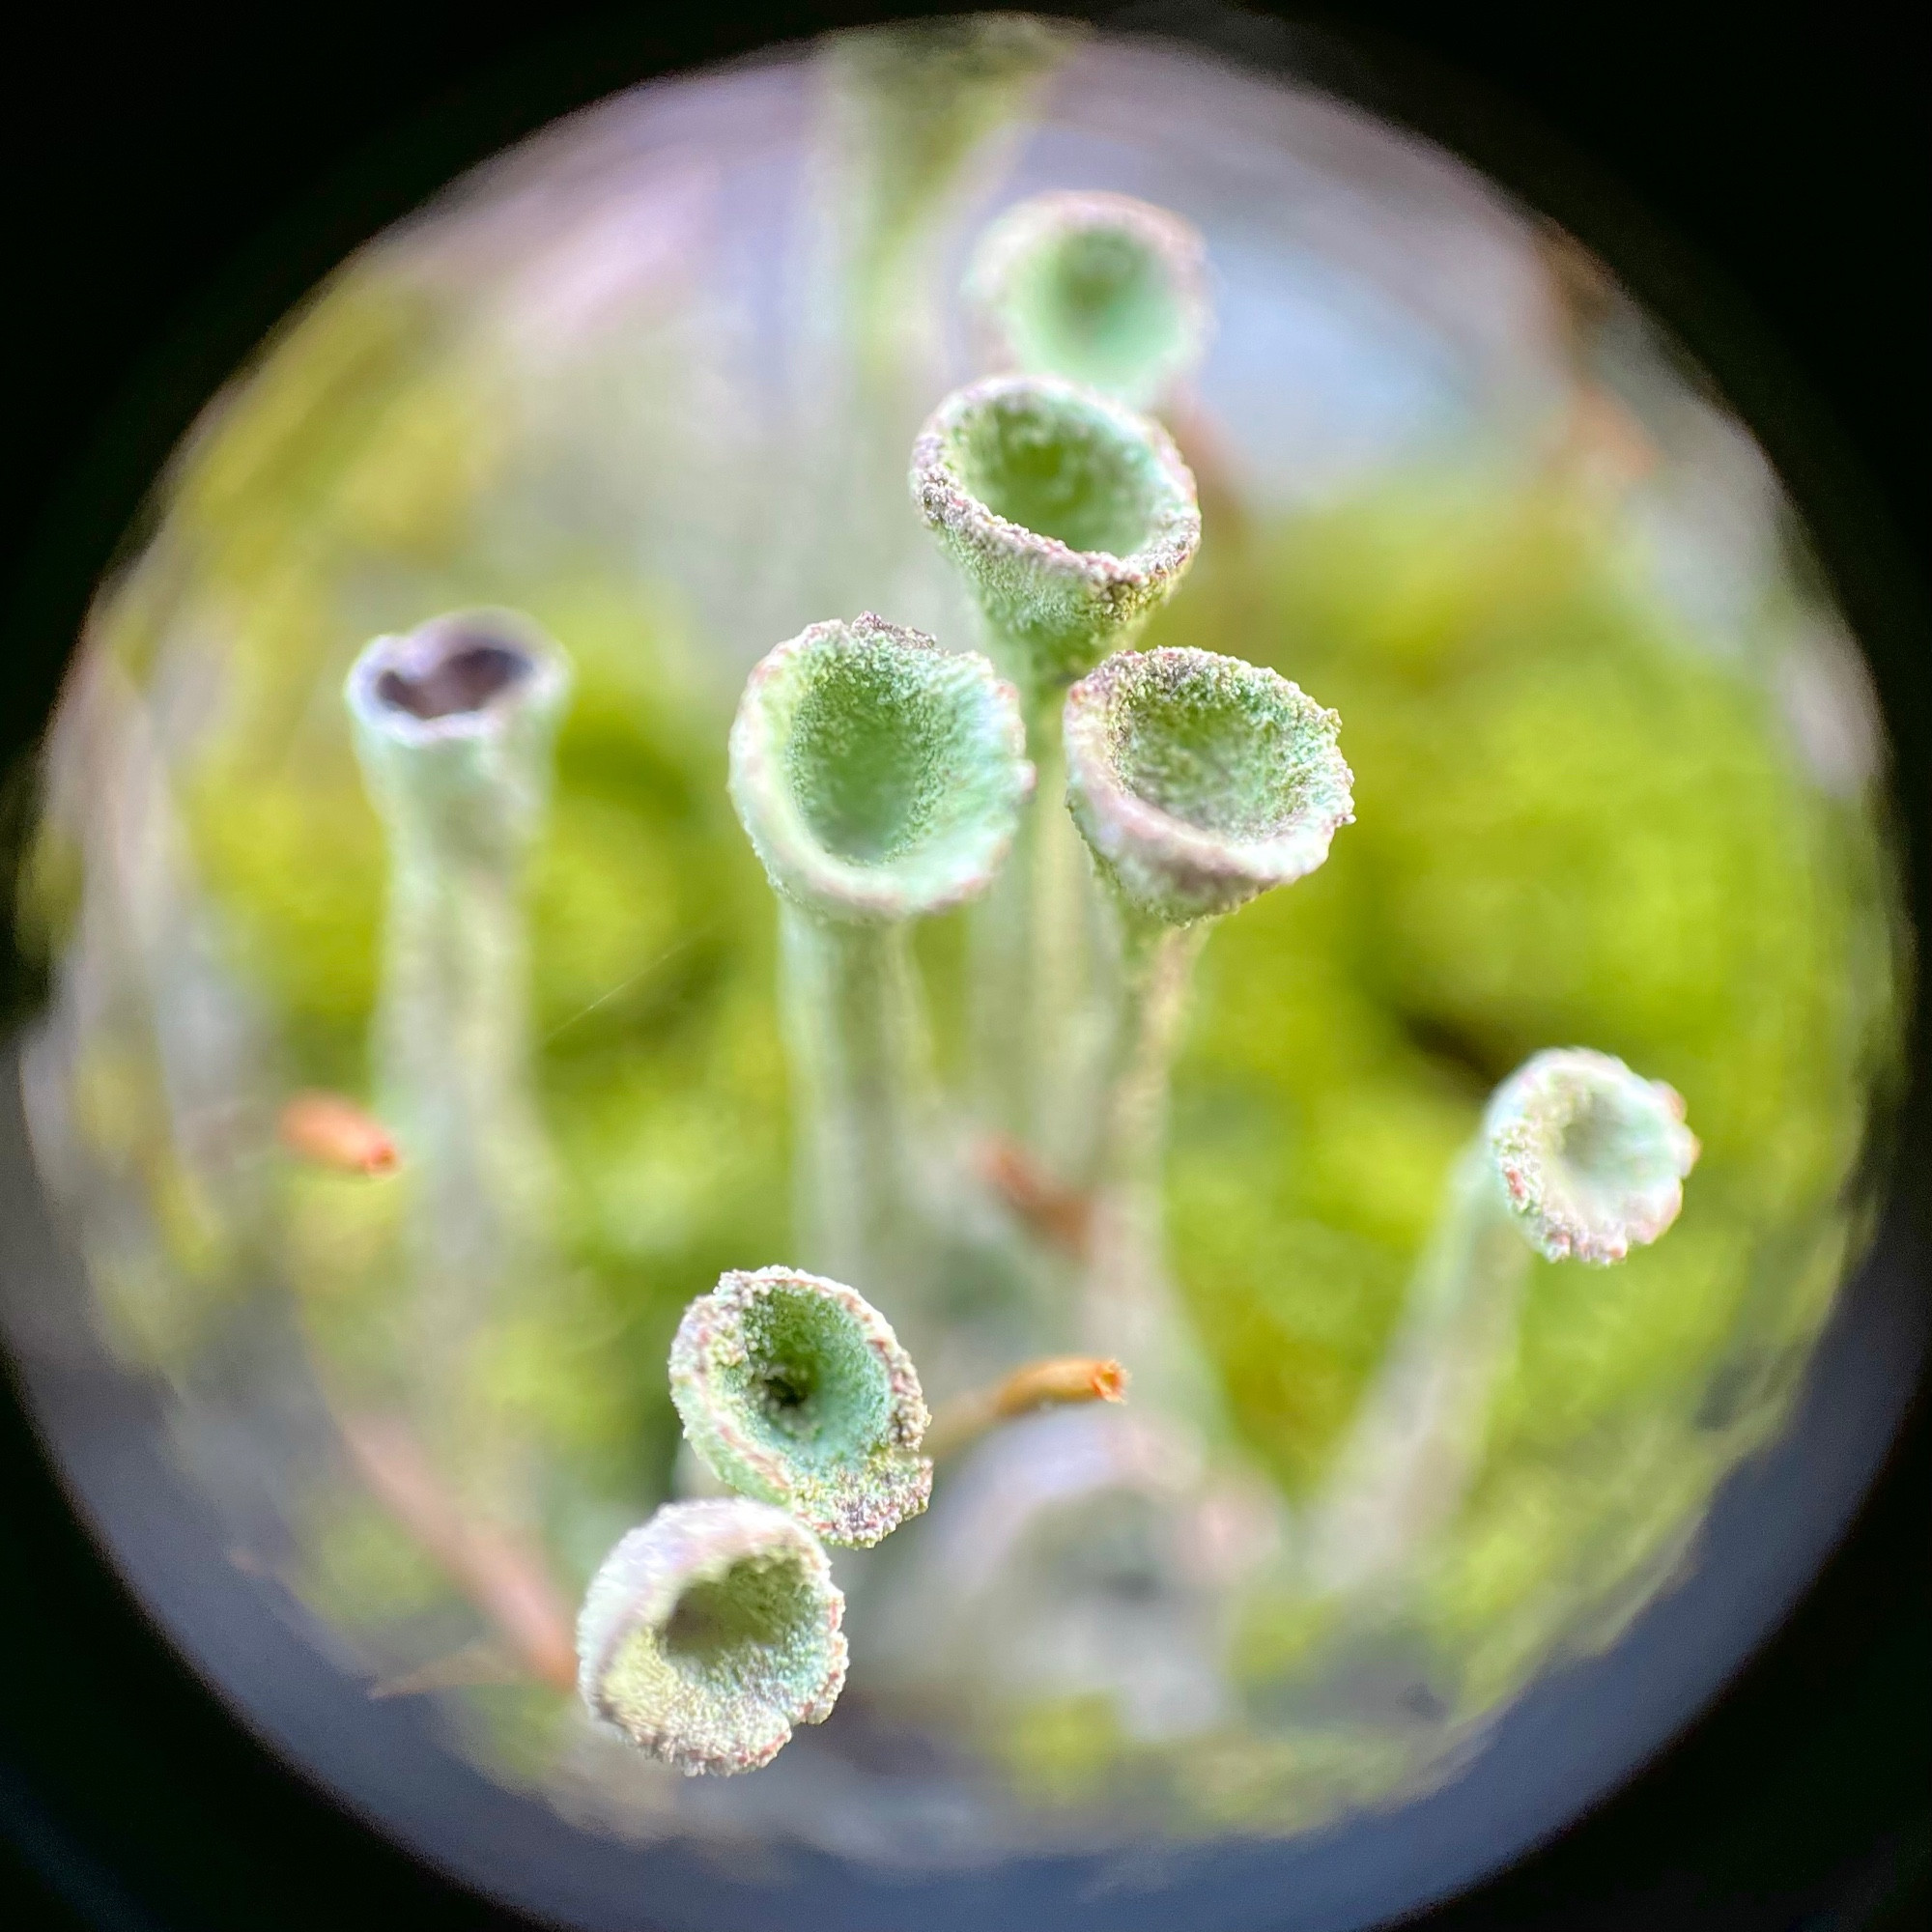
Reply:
x=173, y=185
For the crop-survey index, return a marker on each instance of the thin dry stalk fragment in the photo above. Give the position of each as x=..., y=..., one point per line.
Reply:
x=710, y=1631
x=504, y=1575
x=795, y=1390
x=1579, y=1158
x=880, y=781
x=1097, y=287
x=1072, y=520
x=1057, y=1381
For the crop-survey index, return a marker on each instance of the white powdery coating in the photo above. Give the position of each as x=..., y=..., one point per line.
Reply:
x=1133, y=712
x=980, y=744
x=1045, y=223
x=1592, y=1156
x=861, y=1476
x=1067, y=607
x=732, y=1708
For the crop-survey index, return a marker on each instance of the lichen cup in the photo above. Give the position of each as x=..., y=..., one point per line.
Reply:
x=795, y=1390
x=1198, y=783
x=710, y=1631
x=1099, y=288
x=1071, y=518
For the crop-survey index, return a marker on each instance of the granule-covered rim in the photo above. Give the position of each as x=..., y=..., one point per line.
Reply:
x=1170, y=866
x=1589, y=1198
x=940, y=492
x=860, y=1499
x=411, y=687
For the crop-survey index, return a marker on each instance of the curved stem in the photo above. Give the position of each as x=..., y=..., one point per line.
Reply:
x=1416, y=1441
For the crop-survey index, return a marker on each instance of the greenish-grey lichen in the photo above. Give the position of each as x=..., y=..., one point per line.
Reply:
x=878, y=777
x=795, y=1390
x=1591, y=1156
x=710, y=1631
x=1099, y=288
x=1071, y=518
x=1199, y=781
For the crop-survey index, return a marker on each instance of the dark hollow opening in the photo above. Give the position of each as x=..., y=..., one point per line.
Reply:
x=464, y=678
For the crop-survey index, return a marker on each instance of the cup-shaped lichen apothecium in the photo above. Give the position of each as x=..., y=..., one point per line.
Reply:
x=710, y=1631
x=1072, y=518
x=1198, y=782
x=794, y=1390
x=1097, y=287
x=453, y=724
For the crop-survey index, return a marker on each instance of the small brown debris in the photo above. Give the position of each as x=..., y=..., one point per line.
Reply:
x=335, y=1132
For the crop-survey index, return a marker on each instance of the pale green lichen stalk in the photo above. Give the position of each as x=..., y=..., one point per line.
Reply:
x=710, y=1631
x=1099, y=288
x=1071, y=518
x=1591, y=1156
x=1578, y=1159
x=795, y=1390
x=880, y=780
x=453, y=725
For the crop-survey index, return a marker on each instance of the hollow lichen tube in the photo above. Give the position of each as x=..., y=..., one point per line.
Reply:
x=879, y=780
x=1579, y=1158
x=1072, y=519
x=454, y=724
x=1097, y=287
x=1198, y=782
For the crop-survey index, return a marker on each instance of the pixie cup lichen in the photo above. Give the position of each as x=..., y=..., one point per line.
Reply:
x=1071, y=518
x=1099, y=288
x=1591, y=1156
x=1199, y=781
x=710, y=1631
x=1578, y=1159
x=794, y=1389
x=880, y=780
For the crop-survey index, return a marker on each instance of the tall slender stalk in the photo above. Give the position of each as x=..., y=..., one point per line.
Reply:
x=1578, y=1158
x=880, y=780
x=454, y=723
x=1072, y=519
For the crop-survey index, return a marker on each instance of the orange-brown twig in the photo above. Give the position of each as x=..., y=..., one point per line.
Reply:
x=1054, y=1382
x=1062, y=1215
x=332, y=1131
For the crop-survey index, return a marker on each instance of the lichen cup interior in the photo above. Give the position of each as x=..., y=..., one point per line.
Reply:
x=653, y=378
